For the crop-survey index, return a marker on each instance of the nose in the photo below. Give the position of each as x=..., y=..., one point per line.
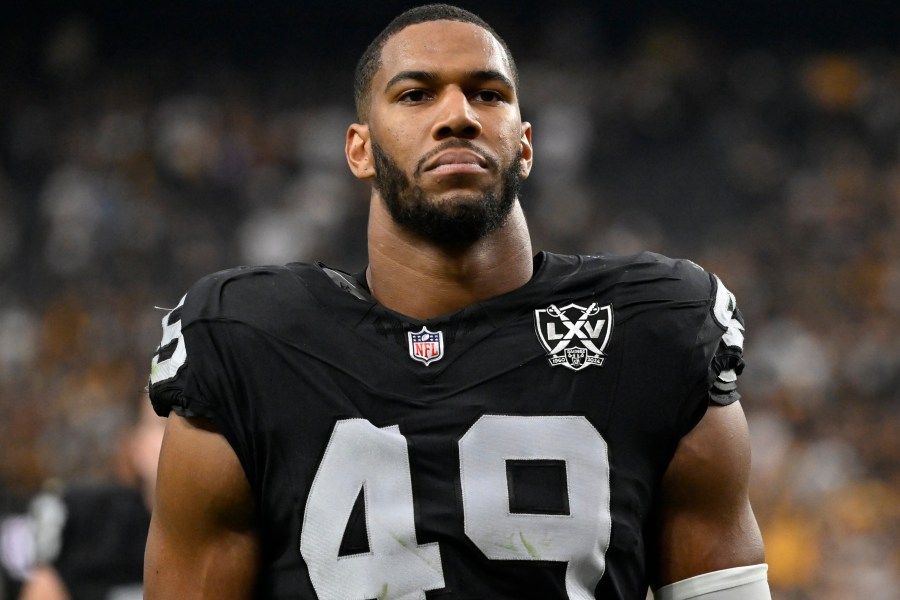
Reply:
x=456, y=117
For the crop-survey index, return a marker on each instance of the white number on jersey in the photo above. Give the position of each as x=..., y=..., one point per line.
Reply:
x=172, y=353
x=361, y=458
x=579, y=538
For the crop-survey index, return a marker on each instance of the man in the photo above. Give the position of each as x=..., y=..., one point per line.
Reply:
x=462, y=419
x=90, y=538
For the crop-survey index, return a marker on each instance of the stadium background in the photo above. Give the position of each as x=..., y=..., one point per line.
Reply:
x=141, y=148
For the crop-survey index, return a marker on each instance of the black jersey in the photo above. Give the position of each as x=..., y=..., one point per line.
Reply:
x=510, y=450
x=94, y=537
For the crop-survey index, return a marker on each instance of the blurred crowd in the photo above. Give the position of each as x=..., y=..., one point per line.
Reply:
x=775, y=166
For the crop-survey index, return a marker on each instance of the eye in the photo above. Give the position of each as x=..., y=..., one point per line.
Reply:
x=414, y=96
x=487, y=96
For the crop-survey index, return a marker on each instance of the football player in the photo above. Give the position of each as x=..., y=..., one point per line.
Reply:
x=462, y=418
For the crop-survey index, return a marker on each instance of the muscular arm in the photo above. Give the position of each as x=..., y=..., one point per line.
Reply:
x=705, y=522
x=202, y=541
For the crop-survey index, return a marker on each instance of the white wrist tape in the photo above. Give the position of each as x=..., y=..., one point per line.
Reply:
x=739, y=583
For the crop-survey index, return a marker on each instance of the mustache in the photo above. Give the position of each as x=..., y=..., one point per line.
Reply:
x=491, y=160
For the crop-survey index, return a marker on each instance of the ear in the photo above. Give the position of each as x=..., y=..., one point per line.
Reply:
x=358, y=149
x=527, y=151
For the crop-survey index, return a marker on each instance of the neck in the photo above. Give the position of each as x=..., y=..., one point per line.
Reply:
x=418, y=278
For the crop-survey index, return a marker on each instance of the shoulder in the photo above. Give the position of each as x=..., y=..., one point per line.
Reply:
x=677, y=276
x=684, y=286
x=260, y=297
x=644, y=274
x=661, y=290
x=692, y=311
x=242, y=292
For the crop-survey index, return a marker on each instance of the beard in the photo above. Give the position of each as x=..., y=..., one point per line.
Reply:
x=454, y=221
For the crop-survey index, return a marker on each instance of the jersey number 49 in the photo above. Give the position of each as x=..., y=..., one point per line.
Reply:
x=363, y=459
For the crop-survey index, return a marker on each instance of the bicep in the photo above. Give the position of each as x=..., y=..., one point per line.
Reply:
x=202, y=541
x=704, y=519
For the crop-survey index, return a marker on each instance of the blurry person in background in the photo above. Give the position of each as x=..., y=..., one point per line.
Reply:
x=90, y=538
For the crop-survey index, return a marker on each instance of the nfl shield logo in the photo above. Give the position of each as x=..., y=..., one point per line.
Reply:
x=426, y=346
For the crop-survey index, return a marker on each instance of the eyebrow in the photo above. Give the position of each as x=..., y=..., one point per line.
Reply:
x=481, y=75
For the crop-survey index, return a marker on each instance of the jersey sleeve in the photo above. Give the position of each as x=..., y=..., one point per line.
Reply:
x=728, y=359
x=714, y=349
x=196, y=371
x=208, y=362
x=719, y=349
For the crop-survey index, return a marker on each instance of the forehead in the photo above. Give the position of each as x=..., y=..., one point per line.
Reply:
x=440, y=46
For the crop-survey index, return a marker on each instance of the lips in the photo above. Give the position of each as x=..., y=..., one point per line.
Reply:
x=456, y=160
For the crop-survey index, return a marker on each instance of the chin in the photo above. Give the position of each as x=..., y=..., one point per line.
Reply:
x=461, y=196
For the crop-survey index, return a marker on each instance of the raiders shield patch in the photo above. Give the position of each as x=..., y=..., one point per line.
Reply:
x=426, y=346
x=574, y=336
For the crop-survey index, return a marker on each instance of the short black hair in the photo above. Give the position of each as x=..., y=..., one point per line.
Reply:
x=370, y=60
